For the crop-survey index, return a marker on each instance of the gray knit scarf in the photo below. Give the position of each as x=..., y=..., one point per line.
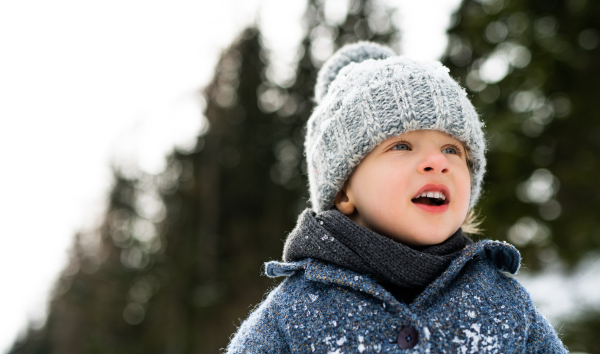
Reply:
x=404, y=271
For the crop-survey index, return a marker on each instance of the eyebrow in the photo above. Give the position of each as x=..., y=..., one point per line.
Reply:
x=450, y=141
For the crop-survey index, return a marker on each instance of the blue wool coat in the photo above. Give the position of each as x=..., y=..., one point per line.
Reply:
x=471, y=308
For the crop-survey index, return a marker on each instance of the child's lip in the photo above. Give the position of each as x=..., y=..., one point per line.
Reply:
x=433, y=208
x=432, y=187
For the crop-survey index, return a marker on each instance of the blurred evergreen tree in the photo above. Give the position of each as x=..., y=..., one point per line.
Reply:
x=531, y=70
x=176, y=265
x=529, y=67
x=106, y=285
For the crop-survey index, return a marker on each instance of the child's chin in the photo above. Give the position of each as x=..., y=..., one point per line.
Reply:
x=427, y=236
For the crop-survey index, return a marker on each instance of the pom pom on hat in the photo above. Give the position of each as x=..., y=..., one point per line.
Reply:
x=352, y=53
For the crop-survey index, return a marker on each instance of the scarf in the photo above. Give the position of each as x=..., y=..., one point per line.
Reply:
x=405, y=271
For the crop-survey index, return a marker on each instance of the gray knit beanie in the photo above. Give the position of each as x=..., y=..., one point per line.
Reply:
x=366, y=94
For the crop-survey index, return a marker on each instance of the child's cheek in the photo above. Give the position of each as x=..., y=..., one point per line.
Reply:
x=464, y=190
x=391, y=186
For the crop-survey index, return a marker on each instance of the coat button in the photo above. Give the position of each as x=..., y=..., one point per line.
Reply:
x=408, y=337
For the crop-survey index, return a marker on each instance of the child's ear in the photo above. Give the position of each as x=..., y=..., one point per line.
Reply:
x=343, y=203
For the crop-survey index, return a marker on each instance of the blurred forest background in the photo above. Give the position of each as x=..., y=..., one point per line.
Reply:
x=176, y=265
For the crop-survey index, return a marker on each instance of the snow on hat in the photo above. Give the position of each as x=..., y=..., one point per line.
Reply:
x=366, y=94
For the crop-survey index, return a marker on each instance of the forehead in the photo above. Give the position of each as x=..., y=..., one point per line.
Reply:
x=425, y=134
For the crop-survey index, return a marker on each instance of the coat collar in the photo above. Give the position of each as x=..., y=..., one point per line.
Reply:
x=504, y=256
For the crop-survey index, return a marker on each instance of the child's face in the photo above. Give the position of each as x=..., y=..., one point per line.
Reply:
x=382, y=191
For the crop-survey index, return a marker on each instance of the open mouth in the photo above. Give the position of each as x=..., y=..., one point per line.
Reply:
x=433, y=198
x=429, y=201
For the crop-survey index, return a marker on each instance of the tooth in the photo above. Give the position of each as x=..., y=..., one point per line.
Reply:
x=424, y=194
x=436, y=195
x=443, y=196
x=429, y=194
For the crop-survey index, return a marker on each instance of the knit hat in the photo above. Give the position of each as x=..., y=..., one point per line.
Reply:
x=366, y=94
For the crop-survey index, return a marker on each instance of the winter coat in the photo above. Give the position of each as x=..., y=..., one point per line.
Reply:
x=473, y=307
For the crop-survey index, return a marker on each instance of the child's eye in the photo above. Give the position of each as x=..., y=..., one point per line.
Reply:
x=400, y=146
x=453, y=150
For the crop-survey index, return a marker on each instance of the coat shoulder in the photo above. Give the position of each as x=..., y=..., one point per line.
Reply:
x=261, y=331
x=493, y=265
x=491, y=273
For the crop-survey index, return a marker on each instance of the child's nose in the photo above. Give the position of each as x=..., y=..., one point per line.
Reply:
x=434, y=162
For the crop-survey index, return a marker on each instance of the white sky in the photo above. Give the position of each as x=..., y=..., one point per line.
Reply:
x=84, y=82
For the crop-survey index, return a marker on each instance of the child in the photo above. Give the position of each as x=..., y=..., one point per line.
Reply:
x=395, y=155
